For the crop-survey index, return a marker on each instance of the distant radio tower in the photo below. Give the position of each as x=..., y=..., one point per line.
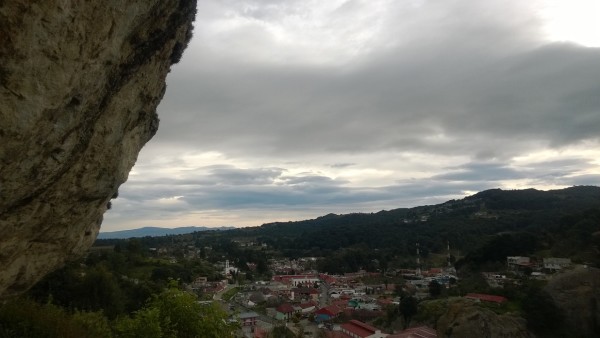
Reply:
x=418, y=261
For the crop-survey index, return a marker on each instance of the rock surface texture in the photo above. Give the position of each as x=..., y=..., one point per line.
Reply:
x=465, y=319
x=577, y=293
x=79, y=85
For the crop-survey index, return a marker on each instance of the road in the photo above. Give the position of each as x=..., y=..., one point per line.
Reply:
x=324, y=298
x=218, y=296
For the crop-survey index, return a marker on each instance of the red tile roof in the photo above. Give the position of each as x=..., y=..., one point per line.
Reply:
x=358, y=328
x=288, y=278
x=340, y=303
x=328, y=279
x=487, y=298
x=285, y=308
x=331, y=310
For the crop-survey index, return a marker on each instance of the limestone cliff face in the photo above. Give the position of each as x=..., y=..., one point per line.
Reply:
x=465, y=319
x=79, y=85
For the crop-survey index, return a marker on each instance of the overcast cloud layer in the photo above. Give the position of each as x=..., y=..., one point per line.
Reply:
x=286, y=110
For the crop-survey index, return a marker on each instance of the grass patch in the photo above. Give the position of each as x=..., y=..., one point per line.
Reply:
x=227, y=295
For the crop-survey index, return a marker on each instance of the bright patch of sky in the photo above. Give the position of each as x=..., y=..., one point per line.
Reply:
x=575, y=21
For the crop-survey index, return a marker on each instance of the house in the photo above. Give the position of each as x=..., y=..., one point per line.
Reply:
x=307, y=308
x=248, y=318
x=284, y=311
x=327, y=313
x=357, y=303
x=515, y=262
x=354, y=303
x=358, y=329
x=341, y=303
x=487, y=298
x=305, y=294
x=416, y=332
x=295, y=280
x=496, y=279
x=308, y=280
x=328, y=279
x=314, y=294
x=199, y=282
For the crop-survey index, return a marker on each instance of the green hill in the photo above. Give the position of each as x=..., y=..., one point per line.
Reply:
x=465, y=223
x=488, y=225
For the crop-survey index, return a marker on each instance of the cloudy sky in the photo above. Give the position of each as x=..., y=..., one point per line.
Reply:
x=292, y=109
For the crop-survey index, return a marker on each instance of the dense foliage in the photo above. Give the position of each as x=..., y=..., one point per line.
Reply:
x=25, y=318
x=170, y=314
x=176, y=314
x=117, y=292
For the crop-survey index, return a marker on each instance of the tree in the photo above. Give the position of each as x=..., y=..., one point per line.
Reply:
x=398, y=291
x=145, y=323
x=281, y=332
x=435, y=288
x=25, y=318
x=100, y=290
x=296, y=318
x=175, y=313
x=391, y=314
x=408, y=308
x=134, y=247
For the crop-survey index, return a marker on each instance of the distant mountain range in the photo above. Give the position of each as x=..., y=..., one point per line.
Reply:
x=155, y=231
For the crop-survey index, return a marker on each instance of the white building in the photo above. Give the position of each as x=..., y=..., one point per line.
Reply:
x=229, y=269
x=517, y=261
x=304, y=280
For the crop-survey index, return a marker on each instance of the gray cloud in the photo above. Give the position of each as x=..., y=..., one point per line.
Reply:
x=234, y=176
x=313, y=192
x=342, y=165
x=538, y=96
x=451, y=92
x=592, y=179
x=480, y=172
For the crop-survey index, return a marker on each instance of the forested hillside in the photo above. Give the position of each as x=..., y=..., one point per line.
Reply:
x=561, y=223
x=567, y=214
